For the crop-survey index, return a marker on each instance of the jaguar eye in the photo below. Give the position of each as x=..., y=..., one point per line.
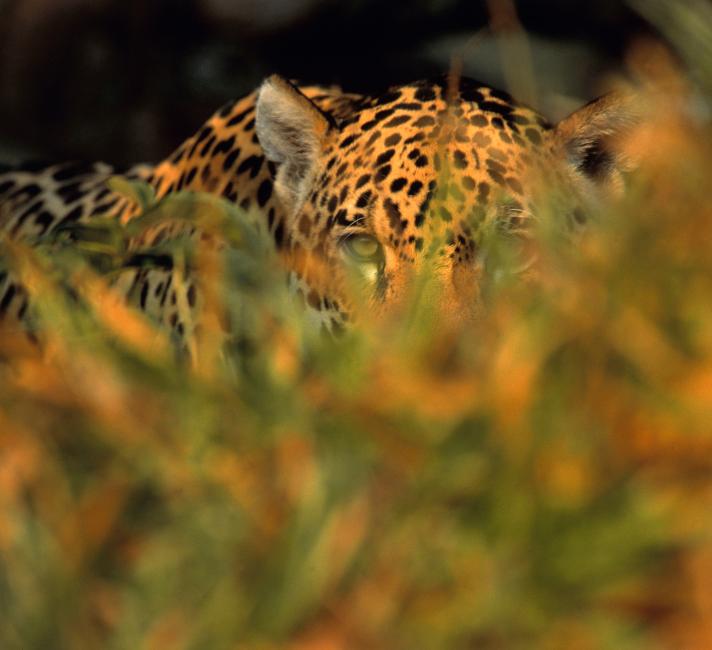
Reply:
x=363, y=249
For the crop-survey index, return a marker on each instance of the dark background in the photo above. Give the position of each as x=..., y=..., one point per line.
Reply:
x=127, y=80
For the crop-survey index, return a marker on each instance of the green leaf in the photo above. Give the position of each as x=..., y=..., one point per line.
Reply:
x=140, y=192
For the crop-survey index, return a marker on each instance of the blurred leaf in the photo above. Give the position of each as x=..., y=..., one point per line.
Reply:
x=138, y=192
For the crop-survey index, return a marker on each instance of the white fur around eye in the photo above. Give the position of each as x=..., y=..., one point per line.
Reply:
x=369, y=272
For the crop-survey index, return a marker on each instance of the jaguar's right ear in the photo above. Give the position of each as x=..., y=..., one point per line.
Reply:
x=292, y=131
x=592, y=139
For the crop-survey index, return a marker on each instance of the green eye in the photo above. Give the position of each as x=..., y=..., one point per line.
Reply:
x=363, y=248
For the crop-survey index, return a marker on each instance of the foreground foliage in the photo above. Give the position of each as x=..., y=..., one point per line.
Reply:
x=543, y=481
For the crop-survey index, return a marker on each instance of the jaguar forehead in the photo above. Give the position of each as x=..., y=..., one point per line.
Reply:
x=415, y=157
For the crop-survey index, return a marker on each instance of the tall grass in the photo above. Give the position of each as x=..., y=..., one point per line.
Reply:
x=545, y=481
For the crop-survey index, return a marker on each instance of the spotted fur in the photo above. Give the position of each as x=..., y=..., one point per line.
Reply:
x=415, y=171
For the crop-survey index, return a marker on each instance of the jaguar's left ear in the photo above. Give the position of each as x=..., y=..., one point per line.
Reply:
x=292, y=131
x=592, y=140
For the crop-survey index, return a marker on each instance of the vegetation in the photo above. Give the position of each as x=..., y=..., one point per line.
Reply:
x=543, y=481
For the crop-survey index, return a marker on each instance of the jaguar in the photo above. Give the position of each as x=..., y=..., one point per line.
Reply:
x=379, y=188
